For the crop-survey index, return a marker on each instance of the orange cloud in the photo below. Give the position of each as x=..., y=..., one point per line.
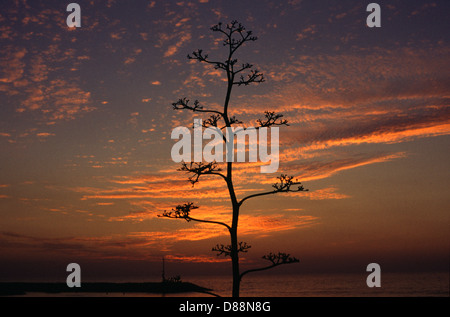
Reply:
x=100, y=247
x=197, y=232
x=44, y=134
x=131, y=59
x=157, y=186
x=202, y=231
x=401, y=95
x=182, y=38
x=265, y=225
x=323, y=169
x=325, y=193
x=12, y=64
x=195, y=258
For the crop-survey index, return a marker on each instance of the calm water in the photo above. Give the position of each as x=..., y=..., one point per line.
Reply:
x=338, y=285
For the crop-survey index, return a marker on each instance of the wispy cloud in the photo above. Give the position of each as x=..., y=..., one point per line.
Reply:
x=182, y=39
x=384, y=97
x=105, y=247
x=325, y=168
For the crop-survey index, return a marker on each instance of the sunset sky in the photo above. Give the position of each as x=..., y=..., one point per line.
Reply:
x=86, y=119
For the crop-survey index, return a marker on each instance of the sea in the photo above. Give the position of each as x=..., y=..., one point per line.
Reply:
x=335, y=285
x=430, y=284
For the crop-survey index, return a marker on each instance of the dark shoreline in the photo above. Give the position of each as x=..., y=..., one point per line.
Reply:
x=14, y=289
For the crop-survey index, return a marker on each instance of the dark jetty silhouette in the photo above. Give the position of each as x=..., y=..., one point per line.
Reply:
x=10, y=289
